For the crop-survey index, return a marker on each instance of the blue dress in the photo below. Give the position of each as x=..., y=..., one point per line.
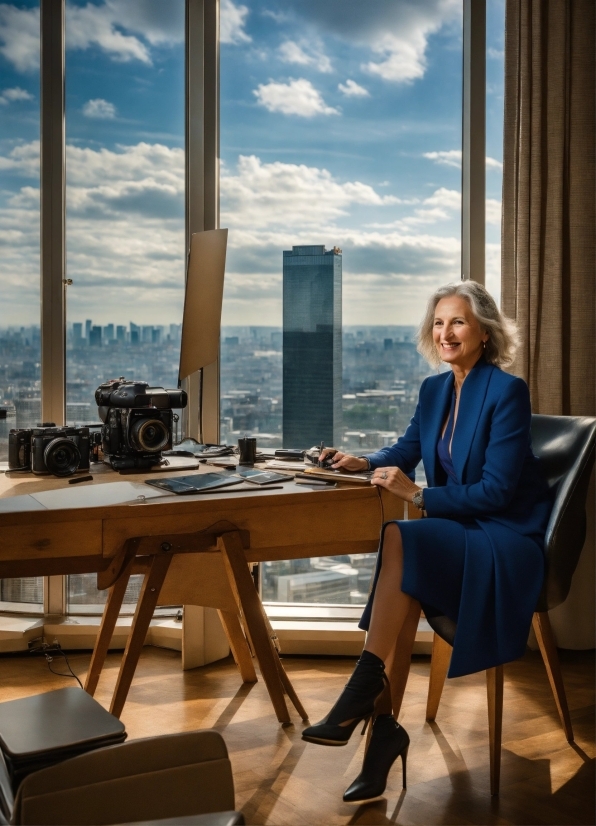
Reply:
x=478, y=557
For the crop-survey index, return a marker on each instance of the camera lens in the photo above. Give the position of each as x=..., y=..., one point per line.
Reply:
x=150, y=435
x=62, y=457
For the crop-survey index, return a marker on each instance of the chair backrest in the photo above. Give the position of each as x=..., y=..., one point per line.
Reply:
x=158, y=777
x=565, y=446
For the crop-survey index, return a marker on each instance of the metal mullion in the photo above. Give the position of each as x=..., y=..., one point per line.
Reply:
x=53, y=197
x=474, y=141
x=202, y=177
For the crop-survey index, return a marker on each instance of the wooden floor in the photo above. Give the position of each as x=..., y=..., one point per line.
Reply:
x=282, y=780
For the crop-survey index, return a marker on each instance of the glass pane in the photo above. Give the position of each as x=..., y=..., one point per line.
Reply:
x=125, y=203
x=84, y=598
x=341, y=188
x=20, y=405
x=495, y=68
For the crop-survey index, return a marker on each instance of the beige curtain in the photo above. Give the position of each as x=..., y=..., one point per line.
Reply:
x=548, y=263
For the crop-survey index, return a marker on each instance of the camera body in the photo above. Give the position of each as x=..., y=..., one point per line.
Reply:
x=138, y=422
x=19, y=449
x=47, y=449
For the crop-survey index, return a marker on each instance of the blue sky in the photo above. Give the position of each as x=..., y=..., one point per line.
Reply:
x=340, y=125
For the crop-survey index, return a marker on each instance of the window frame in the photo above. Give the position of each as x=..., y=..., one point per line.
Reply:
x=202, y=137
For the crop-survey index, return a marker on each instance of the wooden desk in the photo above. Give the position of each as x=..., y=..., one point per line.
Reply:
x=50, y=527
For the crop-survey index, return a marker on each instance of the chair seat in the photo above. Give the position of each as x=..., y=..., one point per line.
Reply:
x=45, y=729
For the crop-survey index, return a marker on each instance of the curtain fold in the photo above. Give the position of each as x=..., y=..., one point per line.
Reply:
x=548, y=224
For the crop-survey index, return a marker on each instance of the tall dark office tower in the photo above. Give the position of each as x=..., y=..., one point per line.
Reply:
x=312, y=346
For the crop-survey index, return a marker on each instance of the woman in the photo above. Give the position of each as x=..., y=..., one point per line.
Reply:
x=478, y=557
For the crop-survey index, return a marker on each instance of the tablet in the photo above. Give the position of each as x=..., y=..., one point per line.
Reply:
x=194, y=484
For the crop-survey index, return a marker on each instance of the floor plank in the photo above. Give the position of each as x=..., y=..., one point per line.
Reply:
x=282, y=780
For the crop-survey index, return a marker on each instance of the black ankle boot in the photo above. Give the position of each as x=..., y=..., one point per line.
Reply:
x=355, y=703
x=388, y=741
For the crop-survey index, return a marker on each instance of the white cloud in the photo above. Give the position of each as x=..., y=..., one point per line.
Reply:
x=100, y=109
x=297, y=97
x=23, y=159
x=440, y=206
x=351, y=89
x=100, y=25
x=281, y=194
x=493, y=211
x=396, y=32
x=404, y=58
x=96, y=26
x=232, y=22
x=19, y=37
x=16, y=93
x=125, y=231
x=452, y=157
x=126, y=237
x=291, y=52
x=496, y=54
x=492, y=163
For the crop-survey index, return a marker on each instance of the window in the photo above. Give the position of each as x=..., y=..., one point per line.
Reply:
x=340, y=185
x=124, y=207
x=20, y=400
x=340, y=147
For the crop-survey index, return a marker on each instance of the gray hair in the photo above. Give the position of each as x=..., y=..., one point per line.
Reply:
x=503, y=336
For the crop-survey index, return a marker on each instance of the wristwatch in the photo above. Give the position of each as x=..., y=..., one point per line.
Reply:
x=418, y=500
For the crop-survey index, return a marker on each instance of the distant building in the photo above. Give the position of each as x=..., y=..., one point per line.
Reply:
x=312, y=403
x=77, y=333
x=121, y=334
x=95, y=336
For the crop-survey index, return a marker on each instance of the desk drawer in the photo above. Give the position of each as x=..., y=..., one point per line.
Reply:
x=57, y=540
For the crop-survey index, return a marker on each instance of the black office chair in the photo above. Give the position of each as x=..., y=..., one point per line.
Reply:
x=566, y=447
x=39, y=731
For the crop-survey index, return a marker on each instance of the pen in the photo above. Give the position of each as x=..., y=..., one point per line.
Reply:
x=80, y=479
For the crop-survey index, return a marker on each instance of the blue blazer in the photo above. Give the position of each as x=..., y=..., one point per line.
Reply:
x=500, y=490
x=499, y=476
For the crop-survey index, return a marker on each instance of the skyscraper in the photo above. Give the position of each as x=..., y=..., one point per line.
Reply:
x=311, y=346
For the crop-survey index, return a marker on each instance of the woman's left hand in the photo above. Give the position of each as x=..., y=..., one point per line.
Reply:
x=395, y=481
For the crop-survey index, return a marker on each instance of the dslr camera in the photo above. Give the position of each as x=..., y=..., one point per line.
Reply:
x=47, y=449
x=137, y=422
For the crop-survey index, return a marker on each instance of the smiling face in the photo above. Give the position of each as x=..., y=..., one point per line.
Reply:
x=457, y=334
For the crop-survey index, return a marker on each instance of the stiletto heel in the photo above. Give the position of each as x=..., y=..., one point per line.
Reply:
x=404, y=757
x=356, y=703
x=365, y=726
x=389, y=740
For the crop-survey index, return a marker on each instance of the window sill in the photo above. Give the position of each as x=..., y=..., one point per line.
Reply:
x=299, y=630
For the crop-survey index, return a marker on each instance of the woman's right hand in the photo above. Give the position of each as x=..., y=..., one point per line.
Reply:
x=344, y=461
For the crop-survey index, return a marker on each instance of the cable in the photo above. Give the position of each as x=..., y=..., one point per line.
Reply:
x=49, y=661
x=47, y=650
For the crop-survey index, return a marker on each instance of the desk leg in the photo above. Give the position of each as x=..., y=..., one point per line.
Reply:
x=239, y=645
x=106, y=629
x=145, y=607
x=249, y=604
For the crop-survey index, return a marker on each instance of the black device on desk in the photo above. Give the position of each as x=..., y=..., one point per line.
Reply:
x=199, y=483
x=137, y=421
